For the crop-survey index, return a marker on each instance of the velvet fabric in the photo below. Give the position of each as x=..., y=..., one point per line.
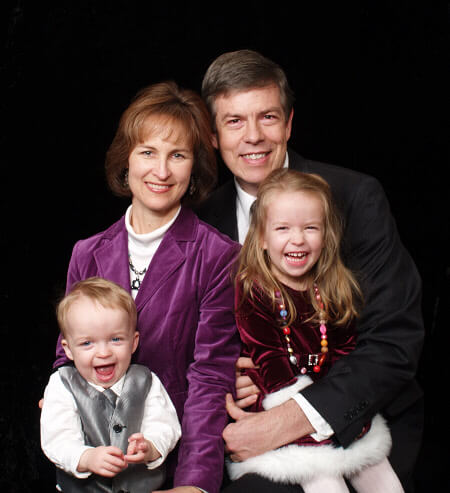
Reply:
x=187, y=330
x=265, y=343
x=379, y=375
x=304, y=459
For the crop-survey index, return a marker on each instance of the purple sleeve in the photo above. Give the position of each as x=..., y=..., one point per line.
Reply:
x=211, y=375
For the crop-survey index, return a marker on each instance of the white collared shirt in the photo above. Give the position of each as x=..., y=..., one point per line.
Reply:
x=244, y=201
x=62, y=437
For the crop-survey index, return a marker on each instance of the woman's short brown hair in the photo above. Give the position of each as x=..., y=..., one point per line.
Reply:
x=170, y=104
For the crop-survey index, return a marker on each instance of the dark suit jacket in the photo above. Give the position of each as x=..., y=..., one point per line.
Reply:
x=378, y=376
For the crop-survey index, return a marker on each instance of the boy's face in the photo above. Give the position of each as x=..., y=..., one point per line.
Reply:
x=99, y=340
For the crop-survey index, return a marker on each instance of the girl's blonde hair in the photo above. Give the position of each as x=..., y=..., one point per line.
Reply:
x=338, y=287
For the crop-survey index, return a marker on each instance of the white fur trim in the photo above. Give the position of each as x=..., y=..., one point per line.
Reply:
x=284, y=394
x=296, y=463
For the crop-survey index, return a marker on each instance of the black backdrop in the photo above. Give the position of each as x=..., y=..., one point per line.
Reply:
x=370, y=84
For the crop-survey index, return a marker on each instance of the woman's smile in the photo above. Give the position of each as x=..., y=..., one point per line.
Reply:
x=159, y=173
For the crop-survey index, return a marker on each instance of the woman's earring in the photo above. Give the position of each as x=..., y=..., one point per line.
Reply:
x=125, y=179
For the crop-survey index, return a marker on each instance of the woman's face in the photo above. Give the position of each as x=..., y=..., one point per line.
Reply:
x=159, y=171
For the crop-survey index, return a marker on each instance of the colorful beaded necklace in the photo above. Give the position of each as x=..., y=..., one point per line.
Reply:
x=315, y=360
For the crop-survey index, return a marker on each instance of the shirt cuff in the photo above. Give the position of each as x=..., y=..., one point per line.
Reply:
x=73, y=466
x=323, y=429
x=156, y=463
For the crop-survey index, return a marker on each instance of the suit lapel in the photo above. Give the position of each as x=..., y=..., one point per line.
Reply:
x=298, y=163
x=225, y=211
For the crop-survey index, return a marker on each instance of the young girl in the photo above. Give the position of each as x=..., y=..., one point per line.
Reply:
x=296, y=304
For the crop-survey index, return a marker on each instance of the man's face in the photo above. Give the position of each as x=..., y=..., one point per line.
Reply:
x=252, y=133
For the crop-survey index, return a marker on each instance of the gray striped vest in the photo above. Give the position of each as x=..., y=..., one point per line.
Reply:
x=105, y=425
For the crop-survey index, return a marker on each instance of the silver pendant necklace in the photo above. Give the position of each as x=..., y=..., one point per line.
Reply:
x=136, y=282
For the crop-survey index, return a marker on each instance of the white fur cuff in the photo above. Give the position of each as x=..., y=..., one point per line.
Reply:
x=296, y=464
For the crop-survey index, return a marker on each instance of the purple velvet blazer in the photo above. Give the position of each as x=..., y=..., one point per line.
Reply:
x=188, y=335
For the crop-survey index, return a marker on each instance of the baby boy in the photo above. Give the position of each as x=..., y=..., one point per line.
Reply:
x=106, y=424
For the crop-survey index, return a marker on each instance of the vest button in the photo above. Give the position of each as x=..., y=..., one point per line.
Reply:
x=118, y=428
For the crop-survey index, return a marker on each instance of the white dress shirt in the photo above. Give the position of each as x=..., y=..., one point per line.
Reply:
x=61, y=432
x=243, y=203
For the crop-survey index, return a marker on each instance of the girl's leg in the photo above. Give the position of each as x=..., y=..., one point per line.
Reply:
x=380, y=477
x=325, y=484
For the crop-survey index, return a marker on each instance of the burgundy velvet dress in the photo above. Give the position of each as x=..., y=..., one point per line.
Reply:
x=264, y=342
x=303, y=459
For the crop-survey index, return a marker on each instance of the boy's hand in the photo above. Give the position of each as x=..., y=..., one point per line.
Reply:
x=140, y=450
x=105, y=461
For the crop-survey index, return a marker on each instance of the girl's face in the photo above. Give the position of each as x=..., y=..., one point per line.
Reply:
x=159, y=171
x=293, y=235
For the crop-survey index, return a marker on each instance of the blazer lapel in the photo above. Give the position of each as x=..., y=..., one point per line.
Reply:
x=112, y=257
x=168, y=257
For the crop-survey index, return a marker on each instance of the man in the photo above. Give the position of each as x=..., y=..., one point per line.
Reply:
x=252, y=112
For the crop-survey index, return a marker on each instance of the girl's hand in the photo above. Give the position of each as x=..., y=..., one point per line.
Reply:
x=105, y=461
x=246, y=391
x=140, y=450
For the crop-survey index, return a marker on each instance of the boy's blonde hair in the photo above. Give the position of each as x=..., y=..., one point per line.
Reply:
x=338, y=287
x=107, y=293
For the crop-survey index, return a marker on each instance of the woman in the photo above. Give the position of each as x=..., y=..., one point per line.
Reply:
x=176, y=267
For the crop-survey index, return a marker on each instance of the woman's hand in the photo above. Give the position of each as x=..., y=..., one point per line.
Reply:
x=246, y=391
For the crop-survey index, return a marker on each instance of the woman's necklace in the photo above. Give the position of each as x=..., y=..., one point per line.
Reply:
x=315, y=360
x=136, y=282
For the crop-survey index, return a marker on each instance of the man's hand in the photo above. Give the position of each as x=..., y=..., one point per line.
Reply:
x=255, y=433
x=246, y=391
x=105, y=461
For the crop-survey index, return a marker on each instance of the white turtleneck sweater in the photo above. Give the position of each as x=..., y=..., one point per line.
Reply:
x=142, y=247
